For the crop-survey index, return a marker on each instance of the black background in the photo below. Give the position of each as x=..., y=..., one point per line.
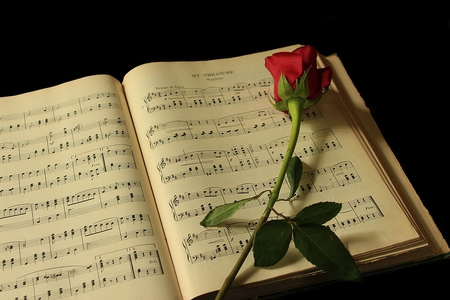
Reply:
x=396, y=52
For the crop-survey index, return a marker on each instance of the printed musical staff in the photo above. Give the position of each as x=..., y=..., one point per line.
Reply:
x=87, y=165
x=56, y=209
x=199, y=203
x=355, y=212
x=67, y=138
x=74, y=240
x=207, y=97
x=240, y=158
x=215, y=243
x=37, y=118
x=106, y=270
x=246, y=123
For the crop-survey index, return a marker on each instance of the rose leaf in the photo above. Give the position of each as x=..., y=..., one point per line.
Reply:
x=222, y=212
x=317, y=213
x=294, y=174
x=323, y=248
x=271, y=242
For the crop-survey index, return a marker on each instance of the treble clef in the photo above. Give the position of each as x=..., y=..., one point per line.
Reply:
x=175, y=200
x=162, y=164
x=189, y=239
x=150, y=131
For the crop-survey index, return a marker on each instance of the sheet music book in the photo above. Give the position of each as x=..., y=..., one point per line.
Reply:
x=103, y=183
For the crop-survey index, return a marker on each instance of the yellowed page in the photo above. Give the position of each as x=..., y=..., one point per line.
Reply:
x=77, y=217
x=383, y=155
x=209, y=136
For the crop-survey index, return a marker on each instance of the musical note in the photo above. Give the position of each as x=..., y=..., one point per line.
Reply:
x=246, y=123
x=240, y=158
x=198, y=203
x=72, y=108
x=14, y=254
x=63, y=140
x=213, y=244
x=57, y=209
x=83, y=166
x=207, y=97
x=106, y=270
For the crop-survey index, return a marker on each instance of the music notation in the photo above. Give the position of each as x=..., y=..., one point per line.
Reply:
x=74, y=240
x=105, y=270
x=240, y=124
x=207, y=97
x=198, y=203
x=64, y=207
x=87, y=165
x=215, y=243
x=240, y=158
x=67, y=138
x=53, y=114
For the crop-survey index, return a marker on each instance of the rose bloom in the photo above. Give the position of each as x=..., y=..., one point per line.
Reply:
x=293, y=64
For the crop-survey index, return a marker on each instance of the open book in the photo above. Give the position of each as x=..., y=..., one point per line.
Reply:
x=103, y=183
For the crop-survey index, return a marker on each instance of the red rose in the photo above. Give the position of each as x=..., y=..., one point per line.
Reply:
x=293, y=65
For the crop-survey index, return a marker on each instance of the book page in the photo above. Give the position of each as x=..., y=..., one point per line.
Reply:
x=77, y=217
x=210, y=136
x=384, y=154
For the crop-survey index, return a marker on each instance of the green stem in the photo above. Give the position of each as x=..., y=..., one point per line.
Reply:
x=295, y=106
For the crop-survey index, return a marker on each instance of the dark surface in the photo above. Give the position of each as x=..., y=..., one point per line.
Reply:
x=396, y=53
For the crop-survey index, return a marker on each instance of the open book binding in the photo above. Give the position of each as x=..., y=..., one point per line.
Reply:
x=104, y=183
